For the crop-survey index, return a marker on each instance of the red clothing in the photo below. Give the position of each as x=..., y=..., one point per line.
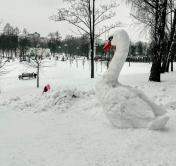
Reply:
x=107, y=46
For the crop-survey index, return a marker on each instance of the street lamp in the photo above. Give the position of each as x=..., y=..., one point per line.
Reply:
x=65, y=45
x=59, y=49
x=77, y=50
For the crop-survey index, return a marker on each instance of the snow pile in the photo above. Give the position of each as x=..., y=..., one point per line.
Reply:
x=58, y=100
x=10, y=101
x=61, y=100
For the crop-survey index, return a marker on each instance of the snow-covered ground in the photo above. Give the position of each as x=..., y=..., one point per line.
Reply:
x=67, y=126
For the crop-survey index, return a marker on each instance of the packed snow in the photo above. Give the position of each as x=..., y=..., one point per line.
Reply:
x=67, y=126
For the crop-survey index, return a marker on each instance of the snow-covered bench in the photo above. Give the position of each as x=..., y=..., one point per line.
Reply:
x=27, y=75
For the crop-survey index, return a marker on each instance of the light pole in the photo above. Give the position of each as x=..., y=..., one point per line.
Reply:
x=76, y=56
x=59, y=51
x=77, y=51
x=65, y=45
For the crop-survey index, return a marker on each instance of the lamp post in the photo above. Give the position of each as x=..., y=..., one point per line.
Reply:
x=59, y=48
x=76, y=56
x=65, y=45
x=77, y=50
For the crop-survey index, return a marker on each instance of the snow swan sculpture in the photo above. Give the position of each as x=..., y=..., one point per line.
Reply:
x=125, y=106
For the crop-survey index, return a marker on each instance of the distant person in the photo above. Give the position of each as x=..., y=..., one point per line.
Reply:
x=35, y=75
x=63, y=59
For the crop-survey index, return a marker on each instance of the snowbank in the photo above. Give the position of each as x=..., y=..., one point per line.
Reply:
x=56, y=100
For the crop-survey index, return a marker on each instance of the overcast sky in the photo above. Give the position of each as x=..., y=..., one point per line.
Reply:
x=34, y=16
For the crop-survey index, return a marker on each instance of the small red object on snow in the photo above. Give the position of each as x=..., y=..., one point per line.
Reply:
x=46, y=88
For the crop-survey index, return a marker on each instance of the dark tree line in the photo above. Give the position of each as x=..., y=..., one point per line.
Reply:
x=75, y=46
x=138, y=49
x=16, y=44
x=9, y=41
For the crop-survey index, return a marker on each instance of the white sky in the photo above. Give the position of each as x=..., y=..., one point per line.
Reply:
x=34, y=16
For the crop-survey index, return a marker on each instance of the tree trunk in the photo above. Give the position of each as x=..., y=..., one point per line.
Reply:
x=172, y=65
x=160, y=22
x=15, y=51
x=155, y=71
x=166, y=62
x=38, y=67
x=172, y=50
x=3, y=53
x=91, y=40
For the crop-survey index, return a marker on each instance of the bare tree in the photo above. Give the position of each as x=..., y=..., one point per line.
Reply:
x=3, y=62
x=171, y=27
x=153, y=13
x=86, y=18
x=37, y=61
x=171, y=53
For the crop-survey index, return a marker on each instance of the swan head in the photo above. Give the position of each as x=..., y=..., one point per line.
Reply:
x=119, y=38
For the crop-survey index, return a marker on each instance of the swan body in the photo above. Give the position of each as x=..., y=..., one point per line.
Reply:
x=126, y=107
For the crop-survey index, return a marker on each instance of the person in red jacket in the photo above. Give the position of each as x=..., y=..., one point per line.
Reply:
x=107, y=44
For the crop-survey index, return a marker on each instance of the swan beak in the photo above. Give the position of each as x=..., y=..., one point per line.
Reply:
x=107, y=46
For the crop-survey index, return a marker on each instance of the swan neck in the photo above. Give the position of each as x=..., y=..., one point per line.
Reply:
x=115, y=67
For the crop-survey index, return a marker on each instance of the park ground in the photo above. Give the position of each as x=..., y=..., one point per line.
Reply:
x=57, y=129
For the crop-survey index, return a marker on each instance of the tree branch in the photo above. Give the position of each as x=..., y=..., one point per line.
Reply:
x=108, y=29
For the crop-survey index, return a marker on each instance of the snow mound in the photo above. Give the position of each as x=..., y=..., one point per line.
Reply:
x=58, y=100
x=10, y=101
x=171, y=105
x=61, y=100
